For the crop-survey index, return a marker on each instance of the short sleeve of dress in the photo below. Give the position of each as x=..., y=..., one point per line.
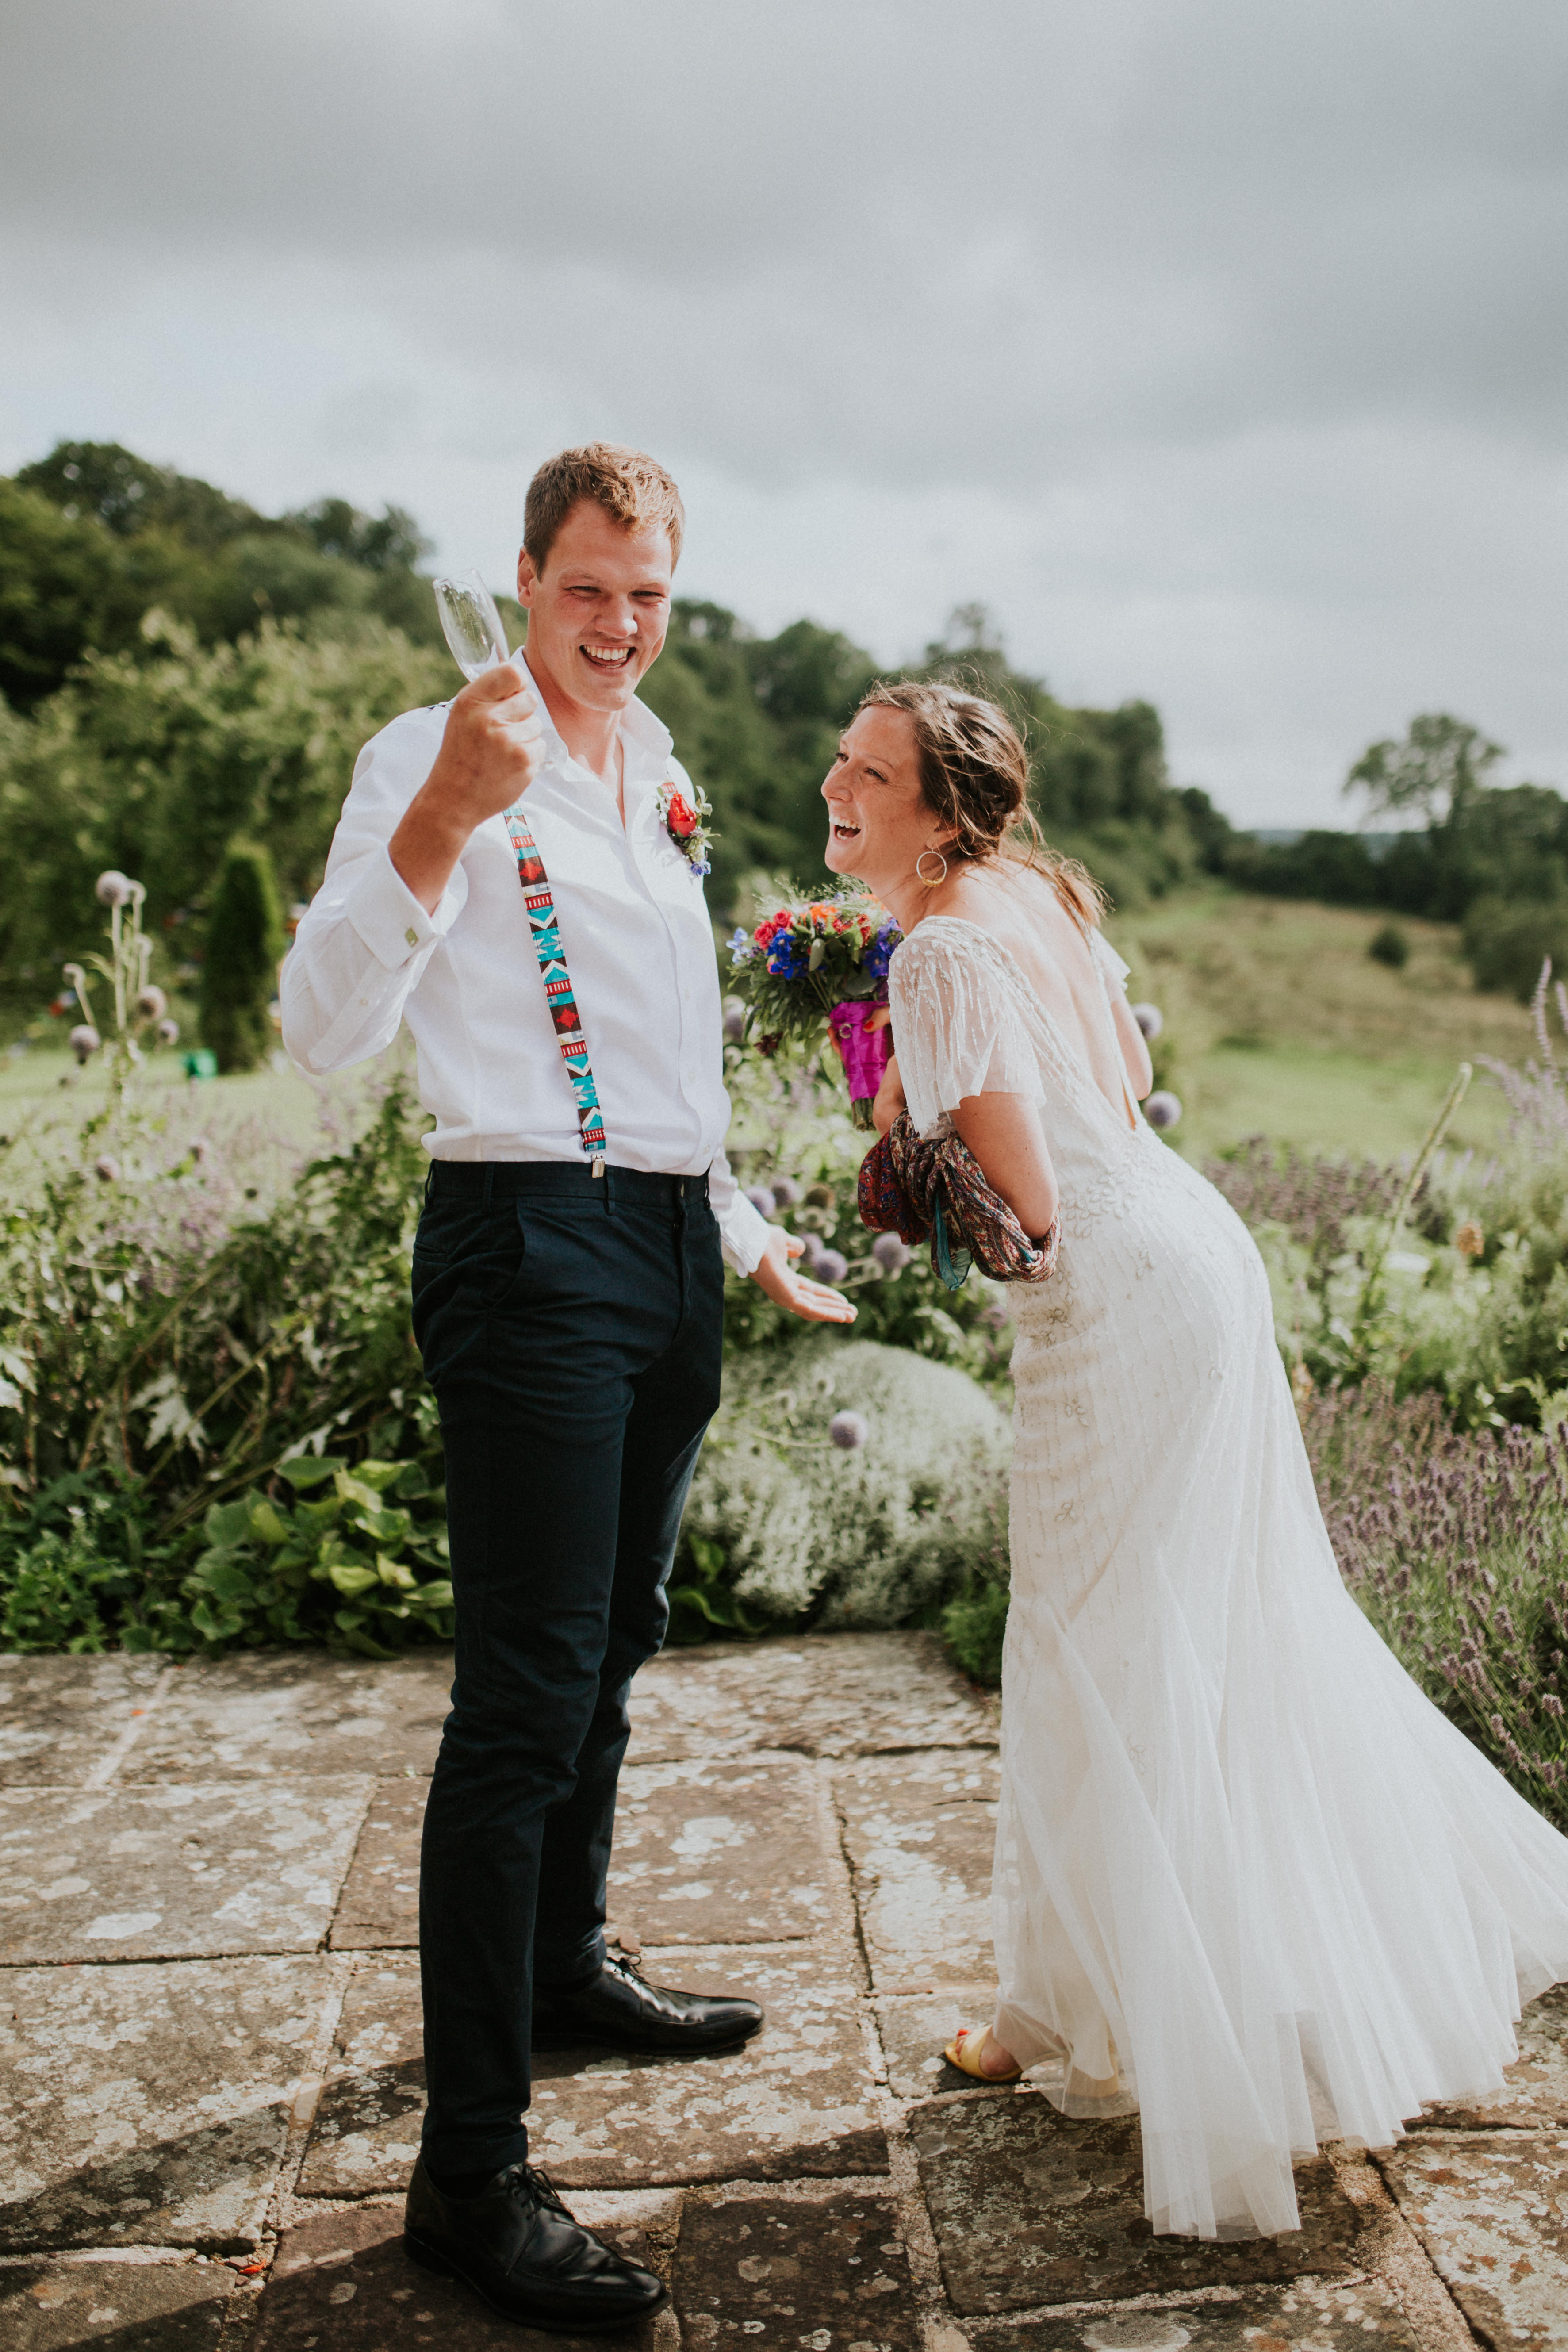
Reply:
x=957, y=1030
x=1110, y=963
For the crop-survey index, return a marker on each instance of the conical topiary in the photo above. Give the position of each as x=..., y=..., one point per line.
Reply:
x=244, y=946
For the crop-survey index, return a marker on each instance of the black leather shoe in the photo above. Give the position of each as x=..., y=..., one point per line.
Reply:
x=516, y=2244
x=622, y=2010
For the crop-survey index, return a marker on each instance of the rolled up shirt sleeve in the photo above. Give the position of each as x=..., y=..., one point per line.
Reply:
x=363, y=943
x=743, y=1234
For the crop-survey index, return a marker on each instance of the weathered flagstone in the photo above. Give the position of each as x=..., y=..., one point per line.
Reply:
x=1493, y=2216
x=1534, y=2092
x=919, y=1831
x=273, y=1712
x=133, y=1873
x=832, y=2276
x=728, y=1852
x=124, y=2306
x=798, y=2101
x=149, y=2104
x=916, y=2028
x=1309, y=2315
x=380, y=1902
x=1029, y=2208
x=59, y=1716
x=343, y=2280
x=825, y=1694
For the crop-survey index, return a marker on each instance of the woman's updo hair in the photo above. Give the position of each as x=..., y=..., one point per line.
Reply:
x=974, y=774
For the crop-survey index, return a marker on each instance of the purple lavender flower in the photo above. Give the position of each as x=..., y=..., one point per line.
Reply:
x=761, y=1199
x=1149, y=1019
x=831, y=1267
x=891, y=1253
x=1162, y=1109
x=850, y=1430
x=785, y=1191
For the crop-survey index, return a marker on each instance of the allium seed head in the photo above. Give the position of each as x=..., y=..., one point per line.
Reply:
x=151, y=1003
x=113, y=888
x=848, y=1430
x=1149, y=1019
x=832, y=1266
x=84, y=1040
x=168, y=1032
x=1162, y=1109
x=891, y=1253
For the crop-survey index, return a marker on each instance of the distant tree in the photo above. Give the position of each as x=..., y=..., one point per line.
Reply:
x=131, y=495
x=378, y=542
x=245, y=945
x=1437, y=770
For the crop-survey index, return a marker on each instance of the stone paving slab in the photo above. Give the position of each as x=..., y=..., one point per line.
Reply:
x=727, y=1852
x=149, y=2104
x=919, y=1831
x=1029, y=2208
x=736, y=1851
x=832, y=2276
x=1310, y=2315
x=290, y=1713
x=380, y=1902
x=798, y=2101
x=123, y=2306
x=134, y=1874
x=823, y=1694
x=1535, y=2091
x=59, y=1716
x=343, y=2282
x=1493, y=2216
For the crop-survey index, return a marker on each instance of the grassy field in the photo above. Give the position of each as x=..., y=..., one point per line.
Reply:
x=1279, y=1023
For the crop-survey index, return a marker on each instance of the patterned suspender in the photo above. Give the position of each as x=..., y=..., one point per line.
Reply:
x=558, y=993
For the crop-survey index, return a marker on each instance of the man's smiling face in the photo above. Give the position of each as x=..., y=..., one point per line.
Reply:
x=598, y=611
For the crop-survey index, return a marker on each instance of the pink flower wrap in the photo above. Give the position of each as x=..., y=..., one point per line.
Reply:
x=866, y=1050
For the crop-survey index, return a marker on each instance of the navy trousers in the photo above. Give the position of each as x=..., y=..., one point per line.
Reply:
x=571, y=1328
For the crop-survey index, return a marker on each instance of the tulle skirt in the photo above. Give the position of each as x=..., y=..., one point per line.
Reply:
x=1248, y=1877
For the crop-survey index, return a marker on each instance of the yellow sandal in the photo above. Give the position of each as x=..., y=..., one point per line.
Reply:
x=965, y=2052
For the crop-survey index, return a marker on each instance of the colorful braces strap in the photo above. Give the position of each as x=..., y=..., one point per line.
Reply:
x=558, y=991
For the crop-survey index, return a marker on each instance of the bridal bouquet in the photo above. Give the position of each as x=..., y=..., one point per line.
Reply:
x=816, y=966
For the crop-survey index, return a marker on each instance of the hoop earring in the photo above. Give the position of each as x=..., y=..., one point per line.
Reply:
x=931, y=881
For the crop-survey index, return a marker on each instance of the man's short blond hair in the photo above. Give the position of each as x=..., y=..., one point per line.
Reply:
x=632, y=488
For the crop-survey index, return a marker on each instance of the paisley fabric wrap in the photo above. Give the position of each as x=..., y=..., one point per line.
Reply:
x=933, y=1188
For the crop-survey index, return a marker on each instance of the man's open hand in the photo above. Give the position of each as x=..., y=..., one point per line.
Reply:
x=812, y=1301
x=492, y=750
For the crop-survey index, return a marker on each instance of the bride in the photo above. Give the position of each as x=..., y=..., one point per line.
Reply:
x=1246, y=1875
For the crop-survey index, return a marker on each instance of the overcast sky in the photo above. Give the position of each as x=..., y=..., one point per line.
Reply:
x=1217, y=345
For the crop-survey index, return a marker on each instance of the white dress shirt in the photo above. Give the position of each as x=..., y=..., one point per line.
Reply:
x=638, y=946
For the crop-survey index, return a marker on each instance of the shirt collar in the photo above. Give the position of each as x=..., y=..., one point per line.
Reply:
x=640, y=731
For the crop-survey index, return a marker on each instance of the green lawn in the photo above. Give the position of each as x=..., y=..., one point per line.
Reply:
x=1279, y=1023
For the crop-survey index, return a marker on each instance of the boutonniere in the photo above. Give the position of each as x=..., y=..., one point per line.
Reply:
x=686, y=822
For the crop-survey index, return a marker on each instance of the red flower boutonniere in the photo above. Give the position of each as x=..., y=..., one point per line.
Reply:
x=687, y=824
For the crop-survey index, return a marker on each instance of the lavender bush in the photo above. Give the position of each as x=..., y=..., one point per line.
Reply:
x=1453, y=1542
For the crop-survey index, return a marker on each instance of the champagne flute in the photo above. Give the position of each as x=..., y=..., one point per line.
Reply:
x=472, y=626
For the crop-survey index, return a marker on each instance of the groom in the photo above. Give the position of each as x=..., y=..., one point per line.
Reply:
x=568, y=1307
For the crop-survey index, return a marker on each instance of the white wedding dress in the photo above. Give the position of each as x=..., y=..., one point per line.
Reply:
x=1246, y=1873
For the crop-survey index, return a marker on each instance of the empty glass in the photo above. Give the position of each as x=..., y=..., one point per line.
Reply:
x=473, y=628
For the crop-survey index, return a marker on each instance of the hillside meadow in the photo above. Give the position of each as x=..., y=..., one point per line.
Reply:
x=1279, y=1023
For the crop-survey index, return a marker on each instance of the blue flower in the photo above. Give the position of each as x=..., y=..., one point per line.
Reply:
x=879, y=954
x=738, y=942
x=788, y=957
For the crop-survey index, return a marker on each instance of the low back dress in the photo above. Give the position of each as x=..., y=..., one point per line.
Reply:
x=1246, y=1875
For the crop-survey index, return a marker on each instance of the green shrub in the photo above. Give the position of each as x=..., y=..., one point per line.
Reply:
x=1507, y=941
x=1390, y=945
x=244, y=946
x=805, y=1531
